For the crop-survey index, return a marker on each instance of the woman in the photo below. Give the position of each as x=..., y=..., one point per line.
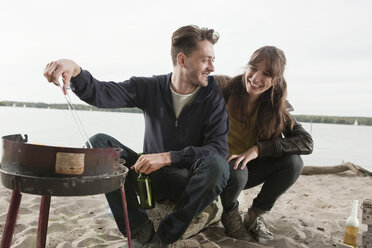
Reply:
x=265, y=142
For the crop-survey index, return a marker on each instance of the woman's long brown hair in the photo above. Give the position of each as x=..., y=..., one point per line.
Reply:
x=273, y=116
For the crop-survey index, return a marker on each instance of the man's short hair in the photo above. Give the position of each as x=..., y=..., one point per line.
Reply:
x=185, y=40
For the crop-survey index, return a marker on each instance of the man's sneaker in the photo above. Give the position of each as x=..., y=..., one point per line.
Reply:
x=142, y=235
x=156, y=242
x=259, y=228
x=232, y=221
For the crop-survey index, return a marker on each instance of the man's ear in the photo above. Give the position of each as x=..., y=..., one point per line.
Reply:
x=181, y=59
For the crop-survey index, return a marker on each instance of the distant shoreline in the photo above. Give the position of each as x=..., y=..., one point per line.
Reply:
x=64, y=106
x=347, y=120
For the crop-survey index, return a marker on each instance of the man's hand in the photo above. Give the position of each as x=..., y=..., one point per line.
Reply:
x=245, y=157
x=63, y=67
x=148, y=163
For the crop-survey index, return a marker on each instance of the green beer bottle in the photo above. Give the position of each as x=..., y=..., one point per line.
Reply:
x=146, y=200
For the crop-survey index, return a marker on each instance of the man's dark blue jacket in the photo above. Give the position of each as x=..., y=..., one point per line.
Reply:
x=200, y=130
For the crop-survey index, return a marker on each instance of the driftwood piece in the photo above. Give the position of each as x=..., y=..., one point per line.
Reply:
x=316, y=170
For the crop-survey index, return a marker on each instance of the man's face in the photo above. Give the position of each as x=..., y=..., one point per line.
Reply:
x=199, y=64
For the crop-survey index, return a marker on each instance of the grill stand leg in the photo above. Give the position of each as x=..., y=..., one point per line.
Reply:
x=126, y=218
x=43, y=221
x=11, y=219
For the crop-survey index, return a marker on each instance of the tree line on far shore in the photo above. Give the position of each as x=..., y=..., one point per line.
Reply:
x=365, y=121
x=348, y=120
x=64, y=106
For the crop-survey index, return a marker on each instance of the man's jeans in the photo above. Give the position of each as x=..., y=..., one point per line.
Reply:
x=277, y=174
x=192, y=188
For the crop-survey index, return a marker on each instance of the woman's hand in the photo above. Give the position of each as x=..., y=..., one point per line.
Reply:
x=245, y=157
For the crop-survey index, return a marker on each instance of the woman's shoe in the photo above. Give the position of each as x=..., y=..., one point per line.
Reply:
x=259, y=228
x=232, y=221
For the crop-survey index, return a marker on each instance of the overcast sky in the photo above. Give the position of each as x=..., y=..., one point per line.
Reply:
x=328, y=44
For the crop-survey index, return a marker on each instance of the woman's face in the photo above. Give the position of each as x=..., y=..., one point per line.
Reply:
x=257, y=79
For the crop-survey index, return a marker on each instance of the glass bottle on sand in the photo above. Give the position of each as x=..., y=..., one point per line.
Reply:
x=352, y=225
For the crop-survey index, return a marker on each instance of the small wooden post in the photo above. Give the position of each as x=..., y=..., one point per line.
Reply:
x=367, y=219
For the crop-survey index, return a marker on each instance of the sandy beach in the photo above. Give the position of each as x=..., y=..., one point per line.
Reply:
x=310, y=214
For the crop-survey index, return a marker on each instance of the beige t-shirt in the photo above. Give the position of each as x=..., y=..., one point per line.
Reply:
x=179, y=100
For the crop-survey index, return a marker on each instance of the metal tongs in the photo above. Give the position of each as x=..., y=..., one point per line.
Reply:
x=79, y=124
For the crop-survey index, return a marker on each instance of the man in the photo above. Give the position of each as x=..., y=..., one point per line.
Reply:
x=186, y=126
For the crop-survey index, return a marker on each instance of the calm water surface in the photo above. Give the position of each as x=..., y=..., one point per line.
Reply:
x=333, y=143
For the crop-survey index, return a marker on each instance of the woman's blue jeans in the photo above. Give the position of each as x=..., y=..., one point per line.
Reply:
x=276, y=173
x=192, y=189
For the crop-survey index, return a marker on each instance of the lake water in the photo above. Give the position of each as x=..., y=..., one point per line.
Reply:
x=332, y=143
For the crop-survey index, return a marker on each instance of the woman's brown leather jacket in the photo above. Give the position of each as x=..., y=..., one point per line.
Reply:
x=295, y=141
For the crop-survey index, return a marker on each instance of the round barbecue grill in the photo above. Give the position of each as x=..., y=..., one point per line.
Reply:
x=57, y=171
